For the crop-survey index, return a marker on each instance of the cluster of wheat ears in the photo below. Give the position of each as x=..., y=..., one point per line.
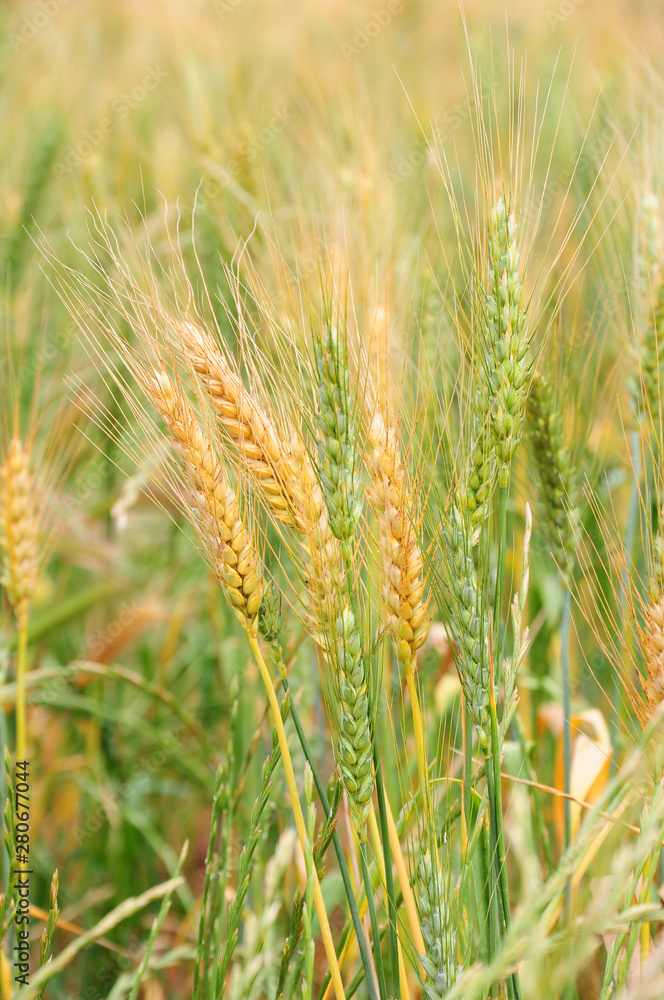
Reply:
x=296, y=460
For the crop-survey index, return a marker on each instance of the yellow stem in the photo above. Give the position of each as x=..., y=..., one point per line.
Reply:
x=21, y=670
x=378, y=848
x=298, y=816
x=404, y=883
x=420, y=740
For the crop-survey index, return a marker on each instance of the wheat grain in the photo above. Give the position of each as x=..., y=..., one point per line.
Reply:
x=654, y=650
x=266, y=454
x=501, y=392
x=218, y=521
x=409, y=618
x=646, y=380
x=282, y=471
x=338, y=470
x=19, y=528
x=439, y=936
x=354, y=748
x=555, y=472
x=469, y=621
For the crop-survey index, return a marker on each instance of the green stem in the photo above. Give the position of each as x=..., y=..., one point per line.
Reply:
x=21, y=670
x=630, y=532
x=389, y=878
x=498, y=836
x=375, y=932
x=336, y=842
x=567, y=728
x=538, y=811
x=298, y=816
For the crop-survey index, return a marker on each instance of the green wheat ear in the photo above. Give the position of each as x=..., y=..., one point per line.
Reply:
x=439, y=935
x=355, y=747
x=505, y=317
x=470, y=622
x=501, y=393
x=646, y=380
x=555, y=472
x=339, y=476
x=342, y=490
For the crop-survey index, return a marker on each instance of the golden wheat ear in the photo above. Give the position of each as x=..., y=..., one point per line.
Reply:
x=227, y=541
x=281, y=469
x=19, y=529
x=409, y=617
x=248, y=424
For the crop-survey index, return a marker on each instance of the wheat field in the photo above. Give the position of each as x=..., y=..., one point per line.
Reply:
x=331, y=499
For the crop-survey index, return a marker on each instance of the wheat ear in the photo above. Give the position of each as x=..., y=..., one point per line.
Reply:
x=219, y=524
x=408, y=614
x=281, y=469
x=555, y=472
x=342, y=491
x=654, y=650
x=646, y=380
x=266, y=455
x=19, y=543
x=500, y=398
x=439, y=935
x=18, y=529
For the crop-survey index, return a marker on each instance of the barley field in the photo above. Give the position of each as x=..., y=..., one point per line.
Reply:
x=331, y=500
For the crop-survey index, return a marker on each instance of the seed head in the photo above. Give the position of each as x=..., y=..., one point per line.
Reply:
x=339, y=477
x=408, y=615
x=19, y=528
x=215, y=508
